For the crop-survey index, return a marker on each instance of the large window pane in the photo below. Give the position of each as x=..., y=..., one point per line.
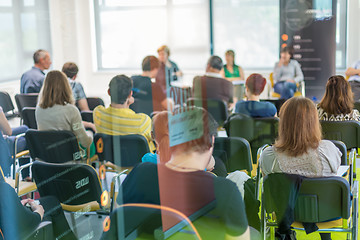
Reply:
x=250, y=28
x=7, y=46
x=127, y=31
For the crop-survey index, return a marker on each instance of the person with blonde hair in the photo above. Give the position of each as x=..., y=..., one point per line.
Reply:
x=56, y=109
x=231, y=71
x=337, y=103
x=170, y=66
x=299, y=148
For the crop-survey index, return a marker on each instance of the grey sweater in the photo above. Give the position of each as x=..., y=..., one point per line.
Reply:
x=290, y=71
x=63, y=117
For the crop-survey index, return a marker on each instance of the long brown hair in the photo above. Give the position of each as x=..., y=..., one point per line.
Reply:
x=56, y=90
x=338, y=98
x=299, y=127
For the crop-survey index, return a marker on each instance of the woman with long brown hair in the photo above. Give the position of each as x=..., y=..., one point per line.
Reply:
x=338, y=102
x=56, y=109
x=299, y=148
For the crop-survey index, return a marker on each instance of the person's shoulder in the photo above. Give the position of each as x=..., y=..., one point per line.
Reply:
x=145, y=167
x=99, y=108
x=327, y=144
x=143, y=116
x=294, y=62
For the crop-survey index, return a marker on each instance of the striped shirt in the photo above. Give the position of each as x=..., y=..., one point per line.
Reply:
x=123, y=121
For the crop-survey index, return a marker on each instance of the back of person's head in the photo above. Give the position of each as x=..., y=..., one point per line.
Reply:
x=215, y=62
x=165, y=49
x=39, y=54
x=200, y=120
x=70, y=69
x=55, y=90
x=338, y=97
x=299, y=127
x=255, y=83
x=120, y=88
x=150, y=63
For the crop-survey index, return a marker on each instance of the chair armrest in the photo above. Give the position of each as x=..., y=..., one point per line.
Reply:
x=17, y=175
x=22, y=154
x=352, y=163
x=113, y=184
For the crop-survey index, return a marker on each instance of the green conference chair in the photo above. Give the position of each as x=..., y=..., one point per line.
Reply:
x=216, y=107
x=258, y=131
x=319, y=200
x=345, y=131
x=234, y=152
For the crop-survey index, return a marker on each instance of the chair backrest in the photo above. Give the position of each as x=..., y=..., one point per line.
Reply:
x=26, y=100
x=345, y=131
x=53, y=146
x=342, y=147
x=5, y=102
x=28, y=115
x=70, y=183
x=93, y=102
x=258, y=131
x=234, y=152
x=124, y=150
x=277, y=102
x=216, y=107
x=142, y=106
x=319, y=199
x=87, y=116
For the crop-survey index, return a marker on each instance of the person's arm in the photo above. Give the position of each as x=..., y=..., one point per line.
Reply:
x=277, y=72
x=4, y=125
x=299, y=76
x=222, y=73
x=88, y=125
x=352, y=71
x=266, y=160
x=78, y=128
x=83, y=104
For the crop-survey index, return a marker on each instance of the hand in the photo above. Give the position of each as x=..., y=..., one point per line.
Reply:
x=291, y=80
x=34, y=207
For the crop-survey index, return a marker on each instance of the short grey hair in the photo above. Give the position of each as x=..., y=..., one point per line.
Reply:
x=215, y=62
x=39, y=54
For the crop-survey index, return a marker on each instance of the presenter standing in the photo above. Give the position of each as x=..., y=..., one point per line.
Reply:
x=170, y=66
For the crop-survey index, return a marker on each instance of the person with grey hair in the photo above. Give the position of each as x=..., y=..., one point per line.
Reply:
x=212, y=85
x=32, y=80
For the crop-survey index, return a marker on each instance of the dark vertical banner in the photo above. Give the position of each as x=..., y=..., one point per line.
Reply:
x=309, y=27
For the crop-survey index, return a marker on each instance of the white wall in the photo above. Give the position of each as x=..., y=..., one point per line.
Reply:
x=73, y=39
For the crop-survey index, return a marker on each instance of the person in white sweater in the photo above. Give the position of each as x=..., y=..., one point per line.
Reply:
x=56, y=109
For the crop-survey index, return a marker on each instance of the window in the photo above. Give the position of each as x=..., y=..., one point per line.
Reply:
x=250, y=28
x=127, y=30
x=26, y=30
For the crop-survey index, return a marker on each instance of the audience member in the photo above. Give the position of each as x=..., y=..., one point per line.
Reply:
x=287, y=73
x=171, y=68
x=255, y=84
x=32, y=80
x=354, y=79
x=212, y=85
x=231, y=71
x=118, y=118
x=299, y=148
x=20, y=219
x=183, y=184
x=56, y=109
x=337, y=103
x=71, y=70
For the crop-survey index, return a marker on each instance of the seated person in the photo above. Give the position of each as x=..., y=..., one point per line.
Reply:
x=118, y=118
x=71, y=70
x=183, y=184
x=287, y=73
x=354, y=79
x=255, y=84
x=9, y=134
x=212, y=85
x=19, y=222
x=152, y=94
x=56, y=109
x=337, y=103
x=231, y=71
x=299, y=149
